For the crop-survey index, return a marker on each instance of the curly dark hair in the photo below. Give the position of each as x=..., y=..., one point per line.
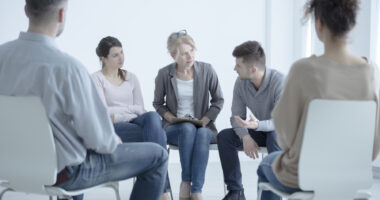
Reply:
x=338, y=15
x=103, y=50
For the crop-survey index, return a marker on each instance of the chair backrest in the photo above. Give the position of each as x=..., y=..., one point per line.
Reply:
x=28, y=159
x=336, y=152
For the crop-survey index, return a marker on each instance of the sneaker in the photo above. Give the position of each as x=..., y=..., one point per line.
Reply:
x=235, y=195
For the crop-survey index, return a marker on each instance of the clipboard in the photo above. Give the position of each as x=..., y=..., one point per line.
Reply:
x=196, y=122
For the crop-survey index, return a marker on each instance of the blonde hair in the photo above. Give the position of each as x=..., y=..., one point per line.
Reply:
x=177, y=38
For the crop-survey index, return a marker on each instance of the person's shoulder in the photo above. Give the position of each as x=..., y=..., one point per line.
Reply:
x=307, y=63
x=166, y=70
x=7, y=45
x=130, y=75
x=67, y=64
x=275, y=74
x=97, y=75
x=204, y=65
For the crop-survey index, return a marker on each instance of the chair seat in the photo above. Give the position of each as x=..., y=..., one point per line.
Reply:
x=212, y=147
x=57, y=191
x=296, y=195
x=363, y=194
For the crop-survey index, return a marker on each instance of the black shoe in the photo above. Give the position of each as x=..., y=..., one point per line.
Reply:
x=235, y=195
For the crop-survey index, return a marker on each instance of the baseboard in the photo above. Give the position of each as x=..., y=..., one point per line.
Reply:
x=376, y=172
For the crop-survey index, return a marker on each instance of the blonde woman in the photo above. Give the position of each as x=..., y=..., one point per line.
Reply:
x=183, y=88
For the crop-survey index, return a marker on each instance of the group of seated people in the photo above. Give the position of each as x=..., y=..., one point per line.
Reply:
x=103, y=132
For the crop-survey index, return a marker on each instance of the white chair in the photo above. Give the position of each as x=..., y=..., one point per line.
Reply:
x=27, y=150
x=335, y=160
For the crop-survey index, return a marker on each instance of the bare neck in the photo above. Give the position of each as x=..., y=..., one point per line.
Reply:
x=338, y=51
x=49, y=30
x=258, y=80
x=112, y=73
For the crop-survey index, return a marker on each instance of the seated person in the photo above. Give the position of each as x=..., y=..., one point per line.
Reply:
x=89, y=152
x=121, y=93
x=259, y=89
x=329, y=76
x=184, y=87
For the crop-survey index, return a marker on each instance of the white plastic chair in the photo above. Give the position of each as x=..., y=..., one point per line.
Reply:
x=27, y=150
x=335, y=160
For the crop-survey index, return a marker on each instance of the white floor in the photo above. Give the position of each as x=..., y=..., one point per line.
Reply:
x=212, y=190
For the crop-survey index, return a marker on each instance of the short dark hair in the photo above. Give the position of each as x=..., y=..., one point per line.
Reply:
x=42, y=10
x=251, y=52
x=104, y=47
x=338, y=15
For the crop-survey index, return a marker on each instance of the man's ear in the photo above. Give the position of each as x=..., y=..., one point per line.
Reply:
x=26, y=11
x=253, y=69
x=173, y=55
x=319, y=25
x=61, y=14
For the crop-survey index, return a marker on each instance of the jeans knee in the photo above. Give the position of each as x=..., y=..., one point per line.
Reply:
x=188, y=127
x=224, y=136
x=160, y=153
x=152, y=117
x=204, y=134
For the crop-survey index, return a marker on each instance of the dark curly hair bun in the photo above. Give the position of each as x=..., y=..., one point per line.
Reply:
x=338, y=15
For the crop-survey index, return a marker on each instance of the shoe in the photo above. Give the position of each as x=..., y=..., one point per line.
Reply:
x=196, y=196
x=184, y=191
x=235, y=195
x=165, y=196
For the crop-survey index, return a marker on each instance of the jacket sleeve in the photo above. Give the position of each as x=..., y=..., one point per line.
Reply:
x=217, y=99
x=159, y=94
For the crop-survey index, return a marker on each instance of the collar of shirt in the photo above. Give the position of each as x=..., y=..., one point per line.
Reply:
x=37, y=37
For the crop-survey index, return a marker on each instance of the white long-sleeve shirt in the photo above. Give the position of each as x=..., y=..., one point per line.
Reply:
x=32, y=65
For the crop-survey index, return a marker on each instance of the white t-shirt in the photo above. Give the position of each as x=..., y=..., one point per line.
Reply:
x=185, y=98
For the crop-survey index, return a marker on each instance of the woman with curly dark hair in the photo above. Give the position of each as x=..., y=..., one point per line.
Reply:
x=329, y=76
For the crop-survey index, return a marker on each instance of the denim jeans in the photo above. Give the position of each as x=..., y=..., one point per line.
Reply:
x=146, y=161
x=266, y=174
x=145, y=128
x=229, y=144
x=193, y=145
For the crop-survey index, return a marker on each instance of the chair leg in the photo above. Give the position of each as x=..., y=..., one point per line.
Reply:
x=50, y=197
x=66, y=197
x=115, y=187
x=4, y=191
x=259, y=193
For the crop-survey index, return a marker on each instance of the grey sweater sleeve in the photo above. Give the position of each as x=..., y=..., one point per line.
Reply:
x=277, y=85
x=238, y=108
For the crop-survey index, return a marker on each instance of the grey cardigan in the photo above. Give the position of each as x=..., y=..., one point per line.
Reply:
x=205, y=83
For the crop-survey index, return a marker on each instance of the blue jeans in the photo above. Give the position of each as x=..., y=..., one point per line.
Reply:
x=266, y=174
x=147, y=161
x=229, y=144
x=145, y=128
x=193, y=144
